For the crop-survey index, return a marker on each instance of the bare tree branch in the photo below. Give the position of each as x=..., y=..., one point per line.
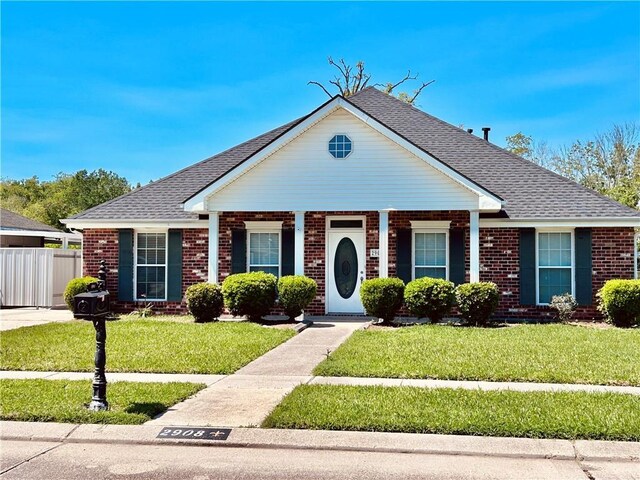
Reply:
x=321, y=86
x=408, y=76
x=419, y=90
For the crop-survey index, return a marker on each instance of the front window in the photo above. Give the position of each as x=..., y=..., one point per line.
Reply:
x=430, y=254
x=151, y=266
x=555, y=265
x=264, y=252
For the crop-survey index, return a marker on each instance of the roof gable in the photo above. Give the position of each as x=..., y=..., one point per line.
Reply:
x=198, y=202
x=529, y=191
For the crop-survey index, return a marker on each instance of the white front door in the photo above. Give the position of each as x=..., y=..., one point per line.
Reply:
x=346, y=269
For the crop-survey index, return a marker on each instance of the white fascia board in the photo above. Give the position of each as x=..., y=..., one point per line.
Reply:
x=135, y=224
x=266, y=225
x=486, y=200
x=40, y=233
x=560, y=222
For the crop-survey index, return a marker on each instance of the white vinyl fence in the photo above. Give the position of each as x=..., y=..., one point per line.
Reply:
x=36, y=277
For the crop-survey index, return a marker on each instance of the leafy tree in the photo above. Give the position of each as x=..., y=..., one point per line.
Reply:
x=526, y=147
x=351, y=79
x=66, y=195
x=609, y=163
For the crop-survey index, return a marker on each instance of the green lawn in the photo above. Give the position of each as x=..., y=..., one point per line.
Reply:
x=531, y=353
x=135, y=345
x=65, y=401
x=568, y=415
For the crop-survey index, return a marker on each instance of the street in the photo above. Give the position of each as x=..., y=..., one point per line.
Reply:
x=53, y=460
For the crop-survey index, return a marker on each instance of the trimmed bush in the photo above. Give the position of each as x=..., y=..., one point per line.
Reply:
x=204, y=301
x=76, y=286
x=565, y=305
x=430, y=297
x=252, y=294
x=619, y=301
x=477, y=301
x=295, y=293
x=382, y=297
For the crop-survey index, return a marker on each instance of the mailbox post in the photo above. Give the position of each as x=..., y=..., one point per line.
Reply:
x=94, y=306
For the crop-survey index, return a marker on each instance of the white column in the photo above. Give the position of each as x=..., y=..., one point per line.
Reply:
x=298, y=256
x=474, y=249
x=383, y=249
x=65, y=243
x=214, y=226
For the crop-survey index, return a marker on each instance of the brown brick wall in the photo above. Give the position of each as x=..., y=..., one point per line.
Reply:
x=102, y=244
x=499, y=251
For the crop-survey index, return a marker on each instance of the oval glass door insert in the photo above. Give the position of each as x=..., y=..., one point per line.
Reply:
x=345, y=268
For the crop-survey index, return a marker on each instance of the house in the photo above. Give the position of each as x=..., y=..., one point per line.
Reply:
x=19, y=231
x=363, y=187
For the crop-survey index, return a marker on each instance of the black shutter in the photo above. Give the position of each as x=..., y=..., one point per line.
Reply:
x=238, y=251
x=125, y=265
x=174, y=266
x=584, y=285
x=456, y=256
x=288, y=252
x=527, y=266
x=403, y=254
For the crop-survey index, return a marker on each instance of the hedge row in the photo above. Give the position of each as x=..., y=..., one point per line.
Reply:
x=431, y=298
x=252, y=294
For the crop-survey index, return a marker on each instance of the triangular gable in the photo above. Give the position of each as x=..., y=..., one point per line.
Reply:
x=486, y=201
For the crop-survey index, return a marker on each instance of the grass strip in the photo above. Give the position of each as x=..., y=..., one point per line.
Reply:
x=130, y=403
x=140, y=345
x=565, y=415
x=527, y=353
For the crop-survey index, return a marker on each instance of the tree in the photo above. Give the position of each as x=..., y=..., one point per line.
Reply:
x=66, y=195
x=351, y=79
x=609, y=163
x=526, y=147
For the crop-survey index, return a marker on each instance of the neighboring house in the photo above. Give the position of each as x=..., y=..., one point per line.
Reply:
x=363, y=187
x=19, y=231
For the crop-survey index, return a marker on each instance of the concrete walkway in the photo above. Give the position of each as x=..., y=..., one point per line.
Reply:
x=247, y=397
x=12, y=318
x=239, y=379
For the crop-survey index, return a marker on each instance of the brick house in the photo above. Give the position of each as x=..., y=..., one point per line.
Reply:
x=359, y=188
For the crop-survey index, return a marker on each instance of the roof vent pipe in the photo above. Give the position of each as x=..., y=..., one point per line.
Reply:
x=486, y=133
x=469, y=130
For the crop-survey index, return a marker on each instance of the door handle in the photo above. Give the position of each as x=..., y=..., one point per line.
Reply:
x=361, y=277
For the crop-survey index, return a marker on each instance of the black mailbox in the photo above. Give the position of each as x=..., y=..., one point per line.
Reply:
x=92, y=304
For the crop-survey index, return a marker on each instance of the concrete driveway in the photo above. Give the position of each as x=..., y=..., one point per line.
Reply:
x=11, y=318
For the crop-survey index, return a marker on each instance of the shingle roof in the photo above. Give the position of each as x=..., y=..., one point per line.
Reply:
x=13, y=221
x=529, y=190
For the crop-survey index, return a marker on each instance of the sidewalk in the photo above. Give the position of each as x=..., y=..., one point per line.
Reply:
x=12, y=318
x=503, y=447
x=248, y=396
x=317, y=380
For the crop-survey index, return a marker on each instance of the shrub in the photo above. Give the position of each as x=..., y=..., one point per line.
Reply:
x=565, y=305
x=76, y=286
x=619, y=301
x=430, y=297
x=295, y=293
x=204, y=301
x=477, y=301
x=251, y=294
x=382, y=297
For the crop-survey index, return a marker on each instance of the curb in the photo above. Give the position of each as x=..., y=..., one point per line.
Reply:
x=427, y=444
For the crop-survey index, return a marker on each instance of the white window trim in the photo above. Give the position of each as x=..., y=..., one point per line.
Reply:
x=425, y=224
x=348, y=155
x=165, y=265
x=264, y=227
x=413, y=248
x=573, y=260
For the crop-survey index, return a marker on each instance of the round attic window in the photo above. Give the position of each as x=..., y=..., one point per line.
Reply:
x=340, y=146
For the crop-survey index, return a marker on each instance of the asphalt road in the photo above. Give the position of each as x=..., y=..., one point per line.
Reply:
x=49, y=460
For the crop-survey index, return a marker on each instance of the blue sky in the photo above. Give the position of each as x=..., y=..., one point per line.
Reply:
x=144, y=89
